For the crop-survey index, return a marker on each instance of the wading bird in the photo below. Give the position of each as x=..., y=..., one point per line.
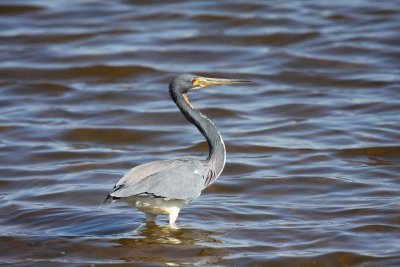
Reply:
x=166, y=186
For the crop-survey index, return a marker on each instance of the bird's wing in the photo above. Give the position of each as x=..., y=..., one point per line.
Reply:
x=168, y=179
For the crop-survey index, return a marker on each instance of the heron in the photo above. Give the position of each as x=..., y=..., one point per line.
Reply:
x=164, y=187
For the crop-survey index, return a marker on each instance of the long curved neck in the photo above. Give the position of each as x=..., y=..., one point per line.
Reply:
x=217, y=153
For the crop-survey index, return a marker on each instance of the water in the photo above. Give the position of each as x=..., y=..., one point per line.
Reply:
x=312, y=175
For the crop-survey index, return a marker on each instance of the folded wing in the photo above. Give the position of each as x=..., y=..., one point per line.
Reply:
x=169, y=179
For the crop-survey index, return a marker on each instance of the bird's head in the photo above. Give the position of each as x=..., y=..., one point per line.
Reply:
x=185, y=83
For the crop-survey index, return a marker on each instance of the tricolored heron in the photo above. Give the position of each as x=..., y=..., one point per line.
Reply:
x=166, y=186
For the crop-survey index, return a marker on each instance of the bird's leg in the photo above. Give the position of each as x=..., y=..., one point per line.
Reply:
x=150, y=217
x=173, y=214
x=136, y=231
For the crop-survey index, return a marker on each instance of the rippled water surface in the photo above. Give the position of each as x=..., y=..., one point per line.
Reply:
x=312, y=175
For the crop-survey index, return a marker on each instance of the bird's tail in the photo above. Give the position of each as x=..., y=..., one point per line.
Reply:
x=106, y=199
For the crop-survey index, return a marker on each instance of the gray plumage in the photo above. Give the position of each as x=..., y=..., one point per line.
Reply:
x=166, y=186
x=179, y=178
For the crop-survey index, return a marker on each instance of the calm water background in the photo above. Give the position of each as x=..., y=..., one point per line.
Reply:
x=312, y=175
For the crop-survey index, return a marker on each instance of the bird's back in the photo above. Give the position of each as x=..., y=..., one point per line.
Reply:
x=180, y=178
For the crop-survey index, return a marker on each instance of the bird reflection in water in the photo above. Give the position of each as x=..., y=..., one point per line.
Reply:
x=163, y=244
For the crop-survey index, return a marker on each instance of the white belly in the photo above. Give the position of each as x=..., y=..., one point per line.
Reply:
x=156, y=205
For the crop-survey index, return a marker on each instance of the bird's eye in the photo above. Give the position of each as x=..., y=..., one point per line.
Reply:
x=193, y=80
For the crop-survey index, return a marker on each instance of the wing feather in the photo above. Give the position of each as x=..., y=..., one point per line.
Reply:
x=169, y=179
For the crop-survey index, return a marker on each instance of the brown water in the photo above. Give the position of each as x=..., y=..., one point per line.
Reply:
x=312, y=176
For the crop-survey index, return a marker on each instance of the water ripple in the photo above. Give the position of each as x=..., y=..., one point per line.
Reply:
x=313, y=144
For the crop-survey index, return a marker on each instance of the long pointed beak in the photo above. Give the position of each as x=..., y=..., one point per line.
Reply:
x=205, y=82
